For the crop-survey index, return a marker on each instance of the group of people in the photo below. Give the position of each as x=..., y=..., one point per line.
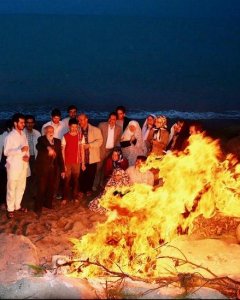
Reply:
x=71, y=158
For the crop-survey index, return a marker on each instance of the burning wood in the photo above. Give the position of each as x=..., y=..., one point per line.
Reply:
x=199, y=185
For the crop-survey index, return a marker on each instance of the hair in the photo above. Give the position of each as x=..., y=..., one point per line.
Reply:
x=56, y=113
x=113, y=113
x=27, y=117
x=122, y=108
x=70, y=107
x=198, y=125
x=72, y=121
x=181, y=121
x=143, y=158
x=83, y=114
x=182, y=137
x=16, y=117
x=48, y=127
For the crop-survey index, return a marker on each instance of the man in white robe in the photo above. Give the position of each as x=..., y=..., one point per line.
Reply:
x=17, y=151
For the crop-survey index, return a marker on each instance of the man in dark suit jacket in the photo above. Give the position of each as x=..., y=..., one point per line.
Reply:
x=111, y=134
x=122, y=120
x=49, y=159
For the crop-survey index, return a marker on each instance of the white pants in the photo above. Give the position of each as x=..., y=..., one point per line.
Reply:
x=15, y=190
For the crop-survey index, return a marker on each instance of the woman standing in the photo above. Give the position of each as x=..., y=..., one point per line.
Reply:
x=158, y=136
x=146, y=128
x=132, y=142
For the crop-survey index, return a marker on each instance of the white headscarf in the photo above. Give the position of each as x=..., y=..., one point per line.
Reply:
x=145, y=128
x=127, y=134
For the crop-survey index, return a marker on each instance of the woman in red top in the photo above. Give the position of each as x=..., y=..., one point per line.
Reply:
x=116, y=160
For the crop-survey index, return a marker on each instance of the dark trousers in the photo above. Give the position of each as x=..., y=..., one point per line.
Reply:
x=59, y=183
x=87, y=177
x=45, y=191
x=71, y=181
x=3, y=184
x=99, y=178
x=29, y=196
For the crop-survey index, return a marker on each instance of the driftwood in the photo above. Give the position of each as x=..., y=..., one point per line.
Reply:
x=190, y=282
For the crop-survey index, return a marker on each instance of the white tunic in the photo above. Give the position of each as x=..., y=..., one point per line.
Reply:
x=13, y=144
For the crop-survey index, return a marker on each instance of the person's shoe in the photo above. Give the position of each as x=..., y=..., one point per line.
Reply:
x=23, y=209
x=64, y=202
x=3, y=206
x=75, y=200
x=80, y=195
x=58, y=197
x=10, y=214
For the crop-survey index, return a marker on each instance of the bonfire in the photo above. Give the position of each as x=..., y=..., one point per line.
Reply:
x=142, y=222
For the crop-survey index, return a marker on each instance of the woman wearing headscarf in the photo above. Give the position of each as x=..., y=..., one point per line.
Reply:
x=132, y=142
x=158, y=136
x=116, y=160
x=146, y=128
x=118, y=179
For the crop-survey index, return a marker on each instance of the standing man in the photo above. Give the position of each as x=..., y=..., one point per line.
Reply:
x=56, y=123
x=93, y=141
x=16, y=150
x=122, y=120
x=72, y=114
x=59, y=131
x=48, y=161
x=32, y=137
x=111, y=134
x=73, y=156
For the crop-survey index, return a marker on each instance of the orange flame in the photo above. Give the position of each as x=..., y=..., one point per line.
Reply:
x=198, y=181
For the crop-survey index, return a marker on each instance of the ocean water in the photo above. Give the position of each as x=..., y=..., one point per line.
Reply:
x=181, y=67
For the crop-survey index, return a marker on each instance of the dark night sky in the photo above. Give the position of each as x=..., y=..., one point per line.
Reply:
x=194, y=8
x=177, y=54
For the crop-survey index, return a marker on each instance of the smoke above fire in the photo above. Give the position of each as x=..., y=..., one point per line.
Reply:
x=200, y=181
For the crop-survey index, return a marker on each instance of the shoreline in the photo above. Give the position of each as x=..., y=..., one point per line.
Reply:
x=217, y=128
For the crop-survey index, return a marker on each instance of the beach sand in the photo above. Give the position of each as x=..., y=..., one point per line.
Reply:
x=51, y=233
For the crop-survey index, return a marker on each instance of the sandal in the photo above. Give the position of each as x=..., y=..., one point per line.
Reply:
x=24, y=209
x=10, y=214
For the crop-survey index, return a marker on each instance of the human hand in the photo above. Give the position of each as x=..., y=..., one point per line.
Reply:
x=83, y=167
x=63, y=175
x=132, y=138
x=24, y=148
x=51, y=152
x=86, y=146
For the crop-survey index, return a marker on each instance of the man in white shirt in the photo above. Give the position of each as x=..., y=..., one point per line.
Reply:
x=16, y=150
x=72, y=114
x=56, y=123
x=111, y=138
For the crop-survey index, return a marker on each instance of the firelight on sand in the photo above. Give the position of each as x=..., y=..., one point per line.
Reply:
x=141, y=221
